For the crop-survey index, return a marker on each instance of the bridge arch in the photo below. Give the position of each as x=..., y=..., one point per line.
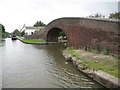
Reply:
x=53, y=34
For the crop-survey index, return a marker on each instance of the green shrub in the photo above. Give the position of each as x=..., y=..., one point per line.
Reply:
x=98, y=49
x=85, y=66
x=89, y=49
x=106, y=51
x=101, y=68
x=111, y=69
x=85, y=48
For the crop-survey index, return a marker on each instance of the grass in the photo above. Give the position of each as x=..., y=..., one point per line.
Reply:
x=21, y=37
x=30, y=40
x=104, y=64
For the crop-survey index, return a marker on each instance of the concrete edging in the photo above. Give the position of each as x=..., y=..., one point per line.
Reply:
x=99, y=76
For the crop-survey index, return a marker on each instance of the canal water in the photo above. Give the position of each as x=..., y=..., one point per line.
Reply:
x=0, y=65
x=39, y=66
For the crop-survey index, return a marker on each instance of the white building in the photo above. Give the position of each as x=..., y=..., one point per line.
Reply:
x=29, y=30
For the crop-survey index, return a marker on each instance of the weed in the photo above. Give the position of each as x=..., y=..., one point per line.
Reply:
x=89, y=49
x=98, y=49
x=106, y=51
x=85, y=66
x=101, y=68
x=85, y=48
x=111, y=69
x=118, y=57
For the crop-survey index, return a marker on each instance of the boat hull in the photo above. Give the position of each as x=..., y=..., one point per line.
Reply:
x=14, y=38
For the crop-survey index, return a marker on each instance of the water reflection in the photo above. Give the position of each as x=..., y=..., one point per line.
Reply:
x=0, y=65
x=40, y=66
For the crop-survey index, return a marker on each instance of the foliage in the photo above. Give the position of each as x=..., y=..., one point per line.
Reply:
x=3, y=33
x=118, y=57
x=98, y=48
x=39, y=23
x=85, y=66
x=2, y=28
x=115, y=15
x=22, y=33
x=16, y=32
x=6, y=34
x=97, y=15
x=31, y=40
x=106, y=51
x=36, y=30
x=87, y=48
x=0, y=31
x=62, y=34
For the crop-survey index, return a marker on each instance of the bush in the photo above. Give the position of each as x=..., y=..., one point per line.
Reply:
x=106, y=51
x=89, y=49
x=85, y=48
x=98, y=49
x=85, y=66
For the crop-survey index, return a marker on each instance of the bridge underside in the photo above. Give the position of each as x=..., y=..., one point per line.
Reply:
x=53, y=34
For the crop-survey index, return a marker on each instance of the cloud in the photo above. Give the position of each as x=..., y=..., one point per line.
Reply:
x=15, y=13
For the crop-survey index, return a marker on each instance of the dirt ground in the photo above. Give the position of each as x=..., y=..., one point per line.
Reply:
x=95, y=56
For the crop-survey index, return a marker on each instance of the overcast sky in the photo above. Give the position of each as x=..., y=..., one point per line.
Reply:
x=15, y=13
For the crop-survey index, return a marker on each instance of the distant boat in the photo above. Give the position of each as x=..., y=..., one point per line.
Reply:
x=14, y=37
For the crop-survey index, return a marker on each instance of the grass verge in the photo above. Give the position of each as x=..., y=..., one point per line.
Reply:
x=34, y=41
x=104, y=64
x=31, y=40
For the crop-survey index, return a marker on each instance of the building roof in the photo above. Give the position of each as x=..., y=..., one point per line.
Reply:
x=31, y=27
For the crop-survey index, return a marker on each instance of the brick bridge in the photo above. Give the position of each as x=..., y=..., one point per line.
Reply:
x=83, y=32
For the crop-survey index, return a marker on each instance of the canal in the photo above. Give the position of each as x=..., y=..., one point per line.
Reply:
x=39, y=66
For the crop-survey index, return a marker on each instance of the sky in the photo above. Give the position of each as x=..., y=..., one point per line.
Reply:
x=15, y=13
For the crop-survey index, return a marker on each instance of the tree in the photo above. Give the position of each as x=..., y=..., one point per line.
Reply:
x=3, y=33
x=22, y=33
x=36, y=31
x=0, y=32
x=115, y=15
x=97, y=15
x=39, y=23
x=16, y=32
x=62, y=34
x=2, y=28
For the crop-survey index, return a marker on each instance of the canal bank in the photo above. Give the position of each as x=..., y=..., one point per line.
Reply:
x=28, y=42
x=94, y=72
x=38, y=42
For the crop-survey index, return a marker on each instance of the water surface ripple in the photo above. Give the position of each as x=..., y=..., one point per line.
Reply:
x=40, y=66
